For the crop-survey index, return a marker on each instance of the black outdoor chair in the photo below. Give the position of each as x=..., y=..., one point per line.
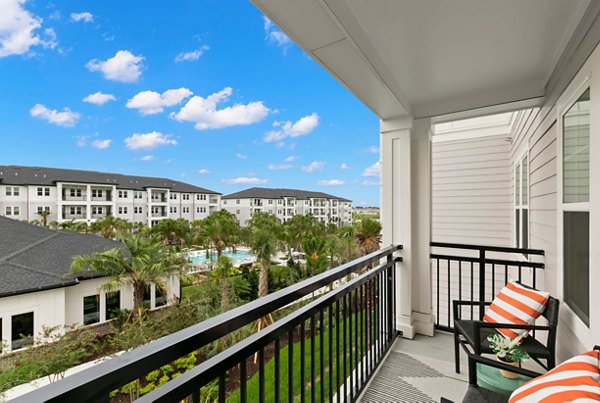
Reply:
x=472, y=335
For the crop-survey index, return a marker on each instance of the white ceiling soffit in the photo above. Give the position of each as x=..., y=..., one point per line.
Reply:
x=428, y=58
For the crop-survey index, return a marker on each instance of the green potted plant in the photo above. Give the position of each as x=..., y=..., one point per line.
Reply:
x=507, y=351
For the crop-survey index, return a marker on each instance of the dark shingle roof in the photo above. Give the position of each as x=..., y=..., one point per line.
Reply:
x=34, y=258
x=269, y=193
x=21, y=175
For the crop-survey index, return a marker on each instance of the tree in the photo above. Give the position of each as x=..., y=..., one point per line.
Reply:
x=221, y=275
x=368, y=235
x=221, y=229
x=140, y=262
x=262, y=235
x=110, y=227
x=316, y=254
x=173, y=231
x=44, y=217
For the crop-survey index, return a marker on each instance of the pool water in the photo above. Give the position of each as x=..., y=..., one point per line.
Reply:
x=236, y=257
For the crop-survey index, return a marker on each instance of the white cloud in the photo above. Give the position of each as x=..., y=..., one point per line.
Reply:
x=282, y=167
x=331, y=182
x=151, y=103
x=274, y=35
x=81, y=141
x=314, y=166
x=147, y=158
x=99, y=98
x=66, y=118
x=246, y=180
x=343, y=165
x=55, y=15
x=370, y=183
x=204, y=113
x=372, y=149
x=148, y=141
x=292, y=158
x=101, y=144
x=203, y=171
x=192, y=55
x=124, y=66
x=84, y=16
x=18, y=29
x=241, y=156
x=373, y=170
x=301, y=127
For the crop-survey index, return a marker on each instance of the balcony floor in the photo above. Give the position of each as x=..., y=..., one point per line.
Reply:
x=419, y=370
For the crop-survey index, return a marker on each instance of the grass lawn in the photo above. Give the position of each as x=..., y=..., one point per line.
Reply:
x=253, y=382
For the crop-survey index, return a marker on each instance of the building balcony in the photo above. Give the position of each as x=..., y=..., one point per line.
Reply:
x=213, y=200
x=351, y=329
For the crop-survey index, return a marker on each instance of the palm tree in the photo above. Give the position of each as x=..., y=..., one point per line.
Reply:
x=44, y=217
x=316, y=254
x=368, y=235
x=110, y=227
x=221, y=275
x=141, y=262
x=262, y=235
x=173, y=231
x=221, y=228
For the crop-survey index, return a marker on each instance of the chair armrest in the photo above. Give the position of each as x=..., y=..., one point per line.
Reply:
x=482, y=324
x=456, y=304
x=596, y=348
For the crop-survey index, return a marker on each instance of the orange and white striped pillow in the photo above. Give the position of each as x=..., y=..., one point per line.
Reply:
x=517, y=305
x=575, y=380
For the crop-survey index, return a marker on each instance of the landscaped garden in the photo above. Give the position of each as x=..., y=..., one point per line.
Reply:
x=150, y=255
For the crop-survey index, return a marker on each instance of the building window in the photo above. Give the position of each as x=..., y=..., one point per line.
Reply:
x=123, y=194
x=91, y=309
x=576, y=206
x=112, y=304
x=16, y=191
x=237, y=201
x=8, y=210
x=22, y=330
x=76, y=192
x=237, y=211
x=16, y=210
x=96, y=193
x=44, y=208
x=40, y=191
x=8, y=191
x=522, y=203
x=160, y=296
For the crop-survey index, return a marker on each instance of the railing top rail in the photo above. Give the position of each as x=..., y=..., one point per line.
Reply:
x=537, y=252
x=183, y=385
x=94, y=384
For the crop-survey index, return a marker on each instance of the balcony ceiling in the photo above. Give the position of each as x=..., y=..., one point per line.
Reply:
x=428, y=58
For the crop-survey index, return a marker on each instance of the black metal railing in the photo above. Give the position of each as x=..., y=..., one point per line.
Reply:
x=341, y=337
x=476, y=273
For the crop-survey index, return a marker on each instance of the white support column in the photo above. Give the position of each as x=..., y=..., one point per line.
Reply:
x=406, y=217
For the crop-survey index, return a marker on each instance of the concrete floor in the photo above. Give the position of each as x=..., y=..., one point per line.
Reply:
x=419, y=370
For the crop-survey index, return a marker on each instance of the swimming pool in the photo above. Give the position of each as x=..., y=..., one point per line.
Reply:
x=237, y=257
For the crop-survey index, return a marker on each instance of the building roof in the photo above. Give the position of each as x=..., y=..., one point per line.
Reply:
x=21, y=175
x=34, y=258
x=278, y=193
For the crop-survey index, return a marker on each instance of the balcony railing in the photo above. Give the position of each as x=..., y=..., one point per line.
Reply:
x=342, y=336
x=477, y=273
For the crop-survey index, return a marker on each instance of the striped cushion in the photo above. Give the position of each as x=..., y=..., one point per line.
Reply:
x=575, y=380
x=517, y=305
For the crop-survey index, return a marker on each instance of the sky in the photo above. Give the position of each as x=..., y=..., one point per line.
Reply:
x=208, y=92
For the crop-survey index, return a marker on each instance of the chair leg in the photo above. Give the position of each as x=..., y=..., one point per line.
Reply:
x=456, y=352
x=551, y=362
x=472, y=372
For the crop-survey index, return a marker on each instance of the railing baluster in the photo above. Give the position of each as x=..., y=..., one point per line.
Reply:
x=493, y=280
x=291, y=365
x=349, y=304
x=337, y=349
x=312, y=359
x=277, y=383
x=363, y=330
x=437, y=317
x=221, y=388
x=261, y=375
x=472, y=283
x=321, y=354
x=302, y=362
x=448, y=299
x=481, y=279
x=243, y=380
x=356, y=345
x=330, y=311
x=459, y=280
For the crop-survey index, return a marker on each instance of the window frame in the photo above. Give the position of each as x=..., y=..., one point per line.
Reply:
x=567, y=100
x=522, y=204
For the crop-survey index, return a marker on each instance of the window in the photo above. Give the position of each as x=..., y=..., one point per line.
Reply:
x=160, y=296
x=8, y=210
x=123, y=194
x=137, y=210
x=40, y=191
x=16, y=191
x=91, y=309
x=43, y=208
x=96, y=192
x=112, y=304
x=137, y=195
x=22, y=330
x=16, y=210
x=522, y=203
x=8, y=191
x=270, y=201
x=237, y=201
x=97, y=210
x=237, y=211
x=576, y=206
x=76, y=192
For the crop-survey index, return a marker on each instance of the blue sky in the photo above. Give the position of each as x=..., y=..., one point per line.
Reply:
x=207, y=92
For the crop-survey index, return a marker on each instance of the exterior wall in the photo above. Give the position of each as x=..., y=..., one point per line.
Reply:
x=471, y=191
x=120, y=203
x=48, y=309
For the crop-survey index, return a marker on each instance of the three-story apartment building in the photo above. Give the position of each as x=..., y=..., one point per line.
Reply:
x=88, y=196
x=285, y=203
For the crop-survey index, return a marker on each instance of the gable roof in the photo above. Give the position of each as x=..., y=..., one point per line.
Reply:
x=22, y=175
x=34, y=258
x=278, y=193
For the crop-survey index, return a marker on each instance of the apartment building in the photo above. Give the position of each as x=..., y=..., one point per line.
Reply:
x=88, y=196
x=285, y=203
